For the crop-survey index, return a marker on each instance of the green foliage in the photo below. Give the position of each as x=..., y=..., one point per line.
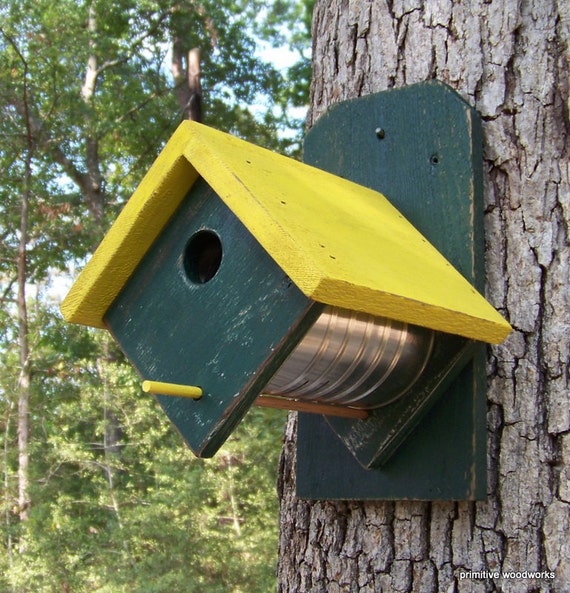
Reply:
x=289, y=23
x=118, y=502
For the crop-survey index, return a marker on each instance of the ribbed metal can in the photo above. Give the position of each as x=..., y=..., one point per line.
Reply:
x=353, y=359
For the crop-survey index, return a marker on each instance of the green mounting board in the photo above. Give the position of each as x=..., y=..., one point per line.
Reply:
x=421, y=146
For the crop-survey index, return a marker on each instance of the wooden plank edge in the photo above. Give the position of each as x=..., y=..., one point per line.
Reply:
x=281, y=403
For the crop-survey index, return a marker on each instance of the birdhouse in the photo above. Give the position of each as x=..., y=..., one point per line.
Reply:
x=235, y=275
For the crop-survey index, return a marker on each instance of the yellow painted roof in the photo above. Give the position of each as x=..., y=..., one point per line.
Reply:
x=341, y=243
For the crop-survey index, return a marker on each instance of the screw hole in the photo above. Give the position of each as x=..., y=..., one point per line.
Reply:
x=380, y=133
x=434, y=159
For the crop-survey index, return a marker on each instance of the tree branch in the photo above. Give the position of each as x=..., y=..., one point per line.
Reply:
x=135, y=45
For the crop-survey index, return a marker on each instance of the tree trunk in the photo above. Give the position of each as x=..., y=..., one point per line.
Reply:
x=24, y=379
x=510, y=59
x=188, y=87
x=91, y=182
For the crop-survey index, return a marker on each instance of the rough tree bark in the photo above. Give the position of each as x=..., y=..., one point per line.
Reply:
x=510, y=59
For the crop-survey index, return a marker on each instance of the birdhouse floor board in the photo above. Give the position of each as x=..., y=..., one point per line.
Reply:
x=227, y=334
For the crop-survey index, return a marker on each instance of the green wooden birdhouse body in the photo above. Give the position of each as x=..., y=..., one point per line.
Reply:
x=228, y=331
x=227, y=258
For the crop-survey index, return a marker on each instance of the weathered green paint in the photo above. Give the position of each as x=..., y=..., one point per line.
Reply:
x=228, y=335
x=429, y=147
x=444, y=459
x=374, y=440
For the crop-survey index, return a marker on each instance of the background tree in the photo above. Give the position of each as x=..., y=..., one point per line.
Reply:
x=98, y=492
x=510, y=59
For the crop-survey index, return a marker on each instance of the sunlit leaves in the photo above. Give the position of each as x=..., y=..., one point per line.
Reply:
x=119, y=503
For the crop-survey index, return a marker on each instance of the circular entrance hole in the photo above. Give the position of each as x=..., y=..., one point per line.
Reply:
x=202, y=256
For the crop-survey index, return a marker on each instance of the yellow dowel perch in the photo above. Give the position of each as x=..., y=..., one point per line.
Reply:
x=161, y=388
